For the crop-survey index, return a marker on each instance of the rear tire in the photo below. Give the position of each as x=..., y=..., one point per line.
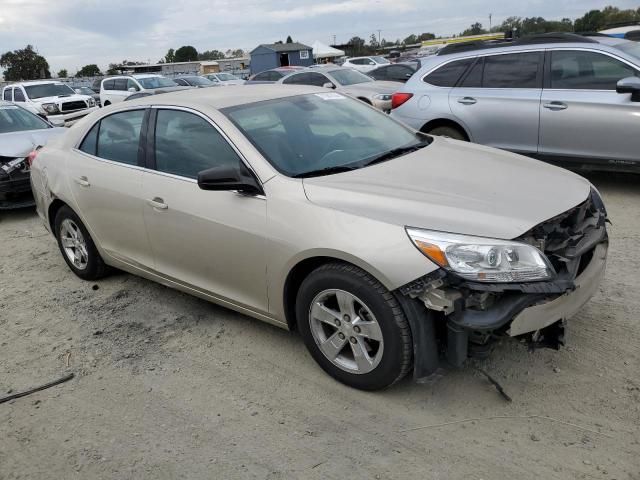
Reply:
x=77, y=247
x=450, y=132
x=353, y=327
x=107, y=103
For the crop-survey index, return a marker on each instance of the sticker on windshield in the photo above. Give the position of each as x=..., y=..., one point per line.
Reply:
x=330, y=96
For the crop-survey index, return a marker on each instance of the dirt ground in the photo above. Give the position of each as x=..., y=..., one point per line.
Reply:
x=169, y=386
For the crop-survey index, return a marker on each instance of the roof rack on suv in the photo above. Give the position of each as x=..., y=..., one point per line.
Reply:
x=528, y=40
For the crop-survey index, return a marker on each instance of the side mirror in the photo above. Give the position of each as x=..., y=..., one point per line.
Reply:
x=328, y=85
x=132, y=89
x=630, y=85
x=372, y=63
x=56, y=122
x=229, y=178
x=77, y=90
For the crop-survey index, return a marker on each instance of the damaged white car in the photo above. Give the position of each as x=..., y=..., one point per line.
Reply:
x=21, y=134
x=387, y=249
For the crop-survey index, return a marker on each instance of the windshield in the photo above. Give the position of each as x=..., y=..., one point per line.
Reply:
x=348, y=76
x=225, y=77
x=380, y=60
x=306, y=135
x=156, y=82
x=48, y=90
x=198, y=81
x=84, y=90
x=631, y=48
x=16, y=119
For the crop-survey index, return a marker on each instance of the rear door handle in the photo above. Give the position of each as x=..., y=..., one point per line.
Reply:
x=158, y=203
x=467, y=100
x=82, y=181
x=556, y=106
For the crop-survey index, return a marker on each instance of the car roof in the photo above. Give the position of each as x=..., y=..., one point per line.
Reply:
x=229, y=96
x=37, y=82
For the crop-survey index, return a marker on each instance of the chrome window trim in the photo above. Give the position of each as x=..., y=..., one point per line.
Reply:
x=241, y=156
x=486, y=54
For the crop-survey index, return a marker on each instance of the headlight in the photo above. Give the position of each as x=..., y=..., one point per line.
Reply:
x=50, y=108
x=385, y=97
x=483, y=259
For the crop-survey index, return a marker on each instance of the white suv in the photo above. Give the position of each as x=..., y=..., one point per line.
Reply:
x=117, y=89
x=55, y=101
x=365, y=64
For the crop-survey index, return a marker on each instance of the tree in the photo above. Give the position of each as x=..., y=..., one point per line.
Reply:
x=373, y=41
x=289, y=40
x=423, y=37
x=63, y=73
x=238, y=52
x=410, y=40
x=475, y=29
x=113, y=69
x=186, y=53
x=211, y=55
x=90, y=70
x=356, y=46
x=170, y=57
x=24, y=64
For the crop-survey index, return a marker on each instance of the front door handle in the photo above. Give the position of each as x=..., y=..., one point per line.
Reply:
x=556, y=106
x=82, y=181
x=467, y=100
x=158, y=203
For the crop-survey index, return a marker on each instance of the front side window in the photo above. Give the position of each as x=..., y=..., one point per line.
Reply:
x=263, y=76
x=448, y=74
x=17, y=119
x=306, y=134
x=18, y=96
x=186, y=144
x=514, y=70
x=119, y=137
x=225, y=77
x=132, y=84
x=89, y=144
x=580, y=70
x=48, y=90
x=380, y=60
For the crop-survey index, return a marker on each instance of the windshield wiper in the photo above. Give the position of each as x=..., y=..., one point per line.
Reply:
x=396, y=152
x=324, y=171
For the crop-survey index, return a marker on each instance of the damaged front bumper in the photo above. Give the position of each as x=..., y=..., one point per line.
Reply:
x=15, y=186
x=475, y=313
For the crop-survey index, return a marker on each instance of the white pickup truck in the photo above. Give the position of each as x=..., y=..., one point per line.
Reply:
x=50, y=99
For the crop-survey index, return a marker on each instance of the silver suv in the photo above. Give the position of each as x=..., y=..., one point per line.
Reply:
x=558, y=97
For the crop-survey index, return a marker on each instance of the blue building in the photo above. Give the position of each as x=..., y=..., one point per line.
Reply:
x=265, y=57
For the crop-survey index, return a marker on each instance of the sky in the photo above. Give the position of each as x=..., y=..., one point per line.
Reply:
x=73, y=33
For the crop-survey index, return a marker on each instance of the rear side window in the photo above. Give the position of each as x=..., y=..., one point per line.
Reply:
x=109, y=84
x=578, y=70
x=514, y=70
x=7, y=94
x=263, y=77
x=449, y=74
x=89, y=143
x=315, y=79
x=186, y=144
x=18, y=96
x=298, y=79
x=119, y=137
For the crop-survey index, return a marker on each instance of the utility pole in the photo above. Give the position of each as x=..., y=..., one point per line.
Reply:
x=379, y=36
x=334, y=39
x=490, y=15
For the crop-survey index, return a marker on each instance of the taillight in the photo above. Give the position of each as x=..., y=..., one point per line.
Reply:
x=32, y=156
x=399, y=98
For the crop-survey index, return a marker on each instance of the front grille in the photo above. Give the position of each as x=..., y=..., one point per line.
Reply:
x=568, y=239
x=73, y=106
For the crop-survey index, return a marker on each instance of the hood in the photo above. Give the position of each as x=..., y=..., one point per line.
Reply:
x=20, y=144
x=373, y=87
x=454, y=187
x=232, y=82
x=59, y=100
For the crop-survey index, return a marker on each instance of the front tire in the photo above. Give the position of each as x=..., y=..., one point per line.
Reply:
x=77, y=247
x=353, y=327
